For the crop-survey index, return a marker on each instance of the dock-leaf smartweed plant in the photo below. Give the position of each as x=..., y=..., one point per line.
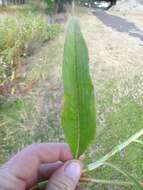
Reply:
x=79, y=115
x=78, y=118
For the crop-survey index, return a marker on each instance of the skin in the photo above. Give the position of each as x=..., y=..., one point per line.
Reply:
x=36, y=163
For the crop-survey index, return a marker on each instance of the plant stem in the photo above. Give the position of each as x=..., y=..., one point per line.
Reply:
x=100, y=162
x=115, y=150
x=131, y=178
x=108, y=182
x=139, y=141
x=42, y=185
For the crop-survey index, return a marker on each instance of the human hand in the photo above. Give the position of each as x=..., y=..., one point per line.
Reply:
x=40, y=162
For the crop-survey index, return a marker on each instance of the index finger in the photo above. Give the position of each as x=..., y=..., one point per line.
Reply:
x=26, y=163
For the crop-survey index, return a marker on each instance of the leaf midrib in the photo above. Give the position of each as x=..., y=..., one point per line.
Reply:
x=77, y=94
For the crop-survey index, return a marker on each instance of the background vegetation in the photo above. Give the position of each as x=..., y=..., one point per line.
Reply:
x=23, y=31
x=20, y=33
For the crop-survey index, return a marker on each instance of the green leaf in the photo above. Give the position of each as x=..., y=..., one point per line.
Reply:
x=131, y=178
x=78, y=118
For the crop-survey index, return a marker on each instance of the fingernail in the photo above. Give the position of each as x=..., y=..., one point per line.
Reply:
x=73, y=170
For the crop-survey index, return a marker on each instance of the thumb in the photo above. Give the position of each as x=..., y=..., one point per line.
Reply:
x=67, y=177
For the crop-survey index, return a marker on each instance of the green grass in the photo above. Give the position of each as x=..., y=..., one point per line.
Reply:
x=15, y=115
x=123, y=121
x=118, y=118
x=33, y=118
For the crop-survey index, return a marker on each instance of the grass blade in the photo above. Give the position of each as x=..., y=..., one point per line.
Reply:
x=115, y=150
x=139, y=141
x=131, y=178
x=107, y=182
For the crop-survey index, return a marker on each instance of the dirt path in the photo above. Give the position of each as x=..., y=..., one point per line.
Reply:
x=119, y=24
x=113, y=54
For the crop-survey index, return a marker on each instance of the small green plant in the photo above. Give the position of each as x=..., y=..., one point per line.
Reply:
x=78, y=119
x=79, y=116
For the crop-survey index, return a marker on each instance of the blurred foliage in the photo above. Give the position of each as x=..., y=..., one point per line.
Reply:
x=20, y=34
x=61, y=5
x=57, y=5
x=24, y=31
